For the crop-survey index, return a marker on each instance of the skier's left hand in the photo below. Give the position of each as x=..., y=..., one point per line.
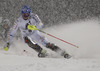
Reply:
x=31, y=27
x=6, y=47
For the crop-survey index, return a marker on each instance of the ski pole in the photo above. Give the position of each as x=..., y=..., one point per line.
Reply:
x=58, y=38
x=31, y=27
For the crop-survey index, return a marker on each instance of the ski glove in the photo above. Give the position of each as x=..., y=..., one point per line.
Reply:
x=31, y=27
x=6, y=47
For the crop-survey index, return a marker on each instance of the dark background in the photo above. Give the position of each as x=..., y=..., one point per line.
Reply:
x=52, y=11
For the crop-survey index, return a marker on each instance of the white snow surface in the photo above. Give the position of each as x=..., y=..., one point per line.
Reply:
x=85, y=34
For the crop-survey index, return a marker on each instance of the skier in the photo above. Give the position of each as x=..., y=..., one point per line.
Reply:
x=33, y=37
x=4, y=29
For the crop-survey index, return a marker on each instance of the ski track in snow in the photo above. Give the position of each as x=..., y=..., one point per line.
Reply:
x=85, y=34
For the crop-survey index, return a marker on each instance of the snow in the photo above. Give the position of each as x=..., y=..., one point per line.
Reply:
x=24, y=63
x=0, y=19
x=85, y=34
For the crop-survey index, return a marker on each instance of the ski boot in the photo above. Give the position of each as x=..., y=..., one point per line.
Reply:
x=42, y=53
x=66, y=55
x=55, y=48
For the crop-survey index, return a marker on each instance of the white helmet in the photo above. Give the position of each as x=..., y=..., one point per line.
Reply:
x=6, y=21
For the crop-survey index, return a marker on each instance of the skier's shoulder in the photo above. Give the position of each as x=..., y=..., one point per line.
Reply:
x=34, y=15
x=18, y=19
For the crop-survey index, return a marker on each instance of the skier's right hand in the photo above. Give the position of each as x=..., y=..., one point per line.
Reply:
x=31, y=27
x=6, y=47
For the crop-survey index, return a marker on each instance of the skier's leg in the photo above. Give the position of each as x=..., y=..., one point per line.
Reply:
x=53, y=47
x=36, y=47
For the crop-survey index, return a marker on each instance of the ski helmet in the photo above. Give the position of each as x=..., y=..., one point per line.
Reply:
x=25, y=9
x=6, y=21
x=6, y=24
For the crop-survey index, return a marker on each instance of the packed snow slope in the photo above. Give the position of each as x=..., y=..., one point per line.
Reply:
x=85, y=34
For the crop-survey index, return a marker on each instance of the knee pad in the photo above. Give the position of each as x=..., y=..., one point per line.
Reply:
x=26, y=39
x=36, y=47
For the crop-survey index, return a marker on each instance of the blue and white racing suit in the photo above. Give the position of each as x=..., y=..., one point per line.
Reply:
x=35, y=35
